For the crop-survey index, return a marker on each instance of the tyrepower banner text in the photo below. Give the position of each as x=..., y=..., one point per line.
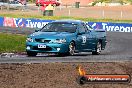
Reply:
x=115, y=27
x=38, y=23
x=24, y=23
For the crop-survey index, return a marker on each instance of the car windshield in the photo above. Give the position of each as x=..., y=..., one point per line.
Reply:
x=60, y=27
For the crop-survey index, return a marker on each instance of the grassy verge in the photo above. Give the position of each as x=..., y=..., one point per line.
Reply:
x=62, y=17
x=12, y=43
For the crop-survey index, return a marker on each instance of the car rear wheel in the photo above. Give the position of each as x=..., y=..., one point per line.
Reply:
x=31, y=53
x=98, y=49
x=71, y=48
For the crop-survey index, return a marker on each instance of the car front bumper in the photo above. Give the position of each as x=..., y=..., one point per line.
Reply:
x=50, y=47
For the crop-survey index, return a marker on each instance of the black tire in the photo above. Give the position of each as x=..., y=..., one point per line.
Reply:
x=98, y=49
x=81, y=80
x=61, y=54
x=71, y=48
x=31, y=53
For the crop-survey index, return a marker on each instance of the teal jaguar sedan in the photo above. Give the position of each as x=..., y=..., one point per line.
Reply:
x=66, y=37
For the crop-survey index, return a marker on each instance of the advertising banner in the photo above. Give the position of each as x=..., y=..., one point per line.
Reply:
x=24, y=23
x=38, y=23
x=1, y=21
x=115, y=27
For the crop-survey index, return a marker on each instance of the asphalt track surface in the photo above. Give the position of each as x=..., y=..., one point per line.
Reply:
x=118, y=49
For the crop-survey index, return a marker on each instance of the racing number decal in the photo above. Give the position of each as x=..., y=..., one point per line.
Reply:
x=84, y=39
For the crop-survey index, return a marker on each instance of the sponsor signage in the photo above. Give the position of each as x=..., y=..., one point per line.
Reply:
x=1, y=21
x=24, y=23
x=115, y=27
x=38, y=23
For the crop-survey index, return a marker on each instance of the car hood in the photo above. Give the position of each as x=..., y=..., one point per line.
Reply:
x=51, y=35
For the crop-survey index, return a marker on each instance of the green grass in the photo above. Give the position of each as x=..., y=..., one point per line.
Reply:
x=12, y=43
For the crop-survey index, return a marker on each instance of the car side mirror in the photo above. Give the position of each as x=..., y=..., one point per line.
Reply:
x=37, y=30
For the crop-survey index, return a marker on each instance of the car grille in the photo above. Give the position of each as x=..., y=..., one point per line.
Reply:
x=42, y=40
x=43, y=49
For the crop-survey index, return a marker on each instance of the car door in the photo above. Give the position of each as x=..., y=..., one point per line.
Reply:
x=81, y=37
x=91, y=39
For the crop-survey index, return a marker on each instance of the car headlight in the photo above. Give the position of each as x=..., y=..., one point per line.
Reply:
x=60, y=41
x=29, y=40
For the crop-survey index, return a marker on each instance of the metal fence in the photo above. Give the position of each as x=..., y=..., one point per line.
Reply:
x=117, y=12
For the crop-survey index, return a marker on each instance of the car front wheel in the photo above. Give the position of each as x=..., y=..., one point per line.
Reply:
x=71, y=48
x=98, y=49
x=31, y=53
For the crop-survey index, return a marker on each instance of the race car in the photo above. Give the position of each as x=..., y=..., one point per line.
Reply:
x=66, y=37
x=47, y=2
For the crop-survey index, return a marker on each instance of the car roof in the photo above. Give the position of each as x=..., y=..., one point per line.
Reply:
x=69, y=21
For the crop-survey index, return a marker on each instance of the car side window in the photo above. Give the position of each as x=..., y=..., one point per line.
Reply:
x=85, y=26
x=82, y=28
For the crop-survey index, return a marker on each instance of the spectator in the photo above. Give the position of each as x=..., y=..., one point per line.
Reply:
x=48, y=10
x=49, y=7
